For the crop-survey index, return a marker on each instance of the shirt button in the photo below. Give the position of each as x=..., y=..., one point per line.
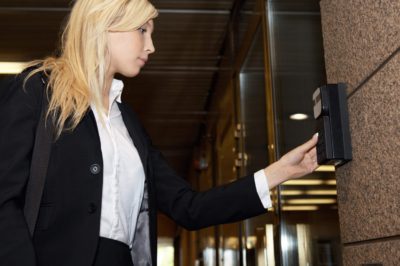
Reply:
x=95, y=169
x=92, y=208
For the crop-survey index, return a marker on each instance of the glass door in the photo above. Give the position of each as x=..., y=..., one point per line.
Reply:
x=258, y=231
x=309, y=228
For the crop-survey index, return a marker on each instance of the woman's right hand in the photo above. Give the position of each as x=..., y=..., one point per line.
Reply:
x=294, y=164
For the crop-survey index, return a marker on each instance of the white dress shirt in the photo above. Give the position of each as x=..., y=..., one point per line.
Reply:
x=123, y=174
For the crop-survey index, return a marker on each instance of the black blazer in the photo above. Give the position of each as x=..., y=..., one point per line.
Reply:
x=68, y=225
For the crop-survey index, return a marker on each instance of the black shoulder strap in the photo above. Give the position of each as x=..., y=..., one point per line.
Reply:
x=39, y=163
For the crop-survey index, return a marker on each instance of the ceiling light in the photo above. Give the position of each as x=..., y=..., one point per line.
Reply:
x=310, y=201
x=304, y=182
x=321, y=192
x=331, y=182
x=308, y=192
x=251, y=242
x=298, y=116
x=11, y=67
x=299, y=208
x=292, y=192
x=309, y=182
x=325, y=168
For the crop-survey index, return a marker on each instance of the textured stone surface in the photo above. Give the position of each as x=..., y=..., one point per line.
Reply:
x=369, y=186
x=358, y=36
x=386, y=253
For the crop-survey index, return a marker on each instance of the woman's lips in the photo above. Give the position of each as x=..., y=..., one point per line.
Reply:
x=143, y=60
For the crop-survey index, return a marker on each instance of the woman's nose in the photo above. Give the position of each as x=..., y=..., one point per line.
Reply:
x=150, y=46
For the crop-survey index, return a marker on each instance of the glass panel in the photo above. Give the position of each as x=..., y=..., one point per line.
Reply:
x=258, y=231
x=226, y=143
x=252, y=97
x=309, y=221
x=309, y=228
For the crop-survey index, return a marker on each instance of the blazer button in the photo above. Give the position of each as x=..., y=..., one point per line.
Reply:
x=95, y=169
x=92, y=208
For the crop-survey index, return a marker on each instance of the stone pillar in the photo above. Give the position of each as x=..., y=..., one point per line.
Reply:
x=362, y=44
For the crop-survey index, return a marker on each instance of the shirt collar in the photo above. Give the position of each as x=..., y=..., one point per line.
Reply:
x=116, y=89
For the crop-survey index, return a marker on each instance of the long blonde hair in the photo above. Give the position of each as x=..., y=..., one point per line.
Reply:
x=77, y=77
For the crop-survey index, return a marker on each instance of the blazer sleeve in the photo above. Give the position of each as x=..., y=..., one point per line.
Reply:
x=19, y=115
x=194, y=210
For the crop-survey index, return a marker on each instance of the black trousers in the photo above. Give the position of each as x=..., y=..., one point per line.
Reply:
x=112, y=253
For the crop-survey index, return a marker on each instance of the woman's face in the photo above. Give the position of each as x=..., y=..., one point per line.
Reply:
x=129, y=50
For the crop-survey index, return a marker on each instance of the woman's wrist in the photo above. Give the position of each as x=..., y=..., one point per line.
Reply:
x=276, y=174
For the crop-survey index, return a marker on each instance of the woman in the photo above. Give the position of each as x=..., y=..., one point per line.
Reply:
x=105, y=181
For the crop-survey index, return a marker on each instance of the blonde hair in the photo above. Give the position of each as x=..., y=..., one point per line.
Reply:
x=77, y=77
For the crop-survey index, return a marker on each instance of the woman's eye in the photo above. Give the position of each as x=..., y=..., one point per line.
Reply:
x=142, y=30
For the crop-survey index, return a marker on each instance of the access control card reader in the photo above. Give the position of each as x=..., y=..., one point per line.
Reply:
x=331, y=114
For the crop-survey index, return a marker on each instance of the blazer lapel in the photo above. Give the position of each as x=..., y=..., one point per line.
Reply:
x=134, y=132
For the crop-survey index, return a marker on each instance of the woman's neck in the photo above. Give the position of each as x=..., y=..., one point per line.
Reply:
x=106, y=91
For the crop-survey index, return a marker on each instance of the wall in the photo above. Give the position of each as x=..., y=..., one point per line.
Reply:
x=361, y=43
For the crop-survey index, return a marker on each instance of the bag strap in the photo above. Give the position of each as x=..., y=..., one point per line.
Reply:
x=39, y=164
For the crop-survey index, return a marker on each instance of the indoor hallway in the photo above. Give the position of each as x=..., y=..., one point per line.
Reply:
x=229, y=90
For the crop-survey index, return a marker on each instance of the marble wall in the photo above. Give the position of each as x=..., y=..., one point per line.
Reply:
x=362, y=49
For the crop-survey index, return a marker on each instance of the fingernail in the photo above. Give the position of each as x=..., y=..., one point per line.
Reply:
x=316, y=134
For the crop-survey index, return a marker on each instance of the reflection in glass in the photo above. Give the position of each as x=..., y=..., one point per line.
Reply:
x=230, y=258
x=206, y=238
x=258, y=231
x=252, y=95
x=165, y=251
x=246, y=14
x=209, y=255
x=229, y=247
x=309, y=228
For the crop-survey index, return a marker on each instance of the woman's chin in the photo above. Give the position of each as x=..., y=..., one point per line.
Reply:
x=131, y=73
